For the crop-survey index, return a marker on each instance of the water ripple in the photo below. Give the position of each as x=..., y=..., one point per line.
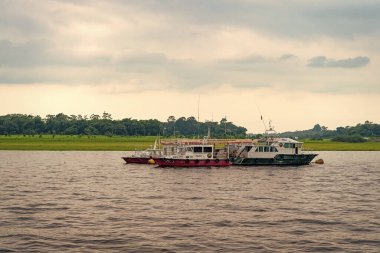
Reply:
x=92, y=202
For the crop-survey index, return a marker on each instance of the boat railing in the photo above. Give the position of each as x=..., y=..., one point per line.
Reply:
x=307, y=150
x=169, y=142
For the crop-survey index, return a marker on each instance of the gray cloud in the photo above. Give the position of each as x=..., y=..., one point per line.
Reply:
x=143, y=62
x=251, y=63
x=256, y=63
x=296, y=19
x=92, y=42
x=287, y=57
x=30, y=53
x=300, y=19
x=290, y=18
x=43, y=52
x=155, y=71
x=323, y=62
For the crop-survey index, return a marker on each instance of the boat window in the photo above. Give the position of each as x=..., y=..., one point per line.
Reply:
x=266, y=149
x=197, y=149
x=290, y=145
x=207, y=149
x=261, y=149
x=273, y=149
x=257, y=149
x=248, y=148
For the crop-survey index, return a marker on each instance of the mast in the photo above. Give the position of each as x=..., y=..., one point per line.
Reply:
x=262, y=119
x=269, y=131
x=199, y=100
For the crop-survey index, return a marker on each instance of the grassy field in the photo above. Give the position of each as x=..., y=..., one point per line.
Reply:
x=327, y=145
x=65, y=142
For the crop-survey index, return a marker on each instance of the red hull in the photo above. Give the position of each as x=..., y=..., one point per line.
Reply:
x=162, y=162
x=139, y=160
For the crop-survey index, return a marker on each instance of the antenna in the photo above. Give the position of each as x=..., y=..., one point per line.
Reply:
x=270, y=126
x=262, y=119
x=199, y=101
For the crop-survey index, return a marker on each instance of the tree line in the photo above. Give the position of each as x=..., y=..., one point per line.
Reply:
x=356, y=133
x=62, y=124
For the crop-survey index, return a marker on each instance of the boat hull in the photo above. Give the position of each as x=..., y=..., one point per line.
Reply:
x=278, y=160
x=138, y=160
x=188, y=163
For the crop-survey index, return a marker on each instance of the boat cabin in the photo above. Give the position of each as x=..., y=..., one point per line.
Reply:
x=265, y=148
x=199, y=151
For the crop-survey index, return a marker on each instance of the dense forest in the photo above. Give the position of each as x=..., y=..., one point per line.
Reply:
x=12, y=124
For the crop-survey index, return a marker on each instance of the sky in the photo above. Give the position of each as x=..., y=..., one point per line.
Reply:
x=295, y=62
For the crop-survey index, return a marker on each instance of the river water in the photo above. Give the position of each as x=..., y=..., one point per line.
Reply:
x=93, y=202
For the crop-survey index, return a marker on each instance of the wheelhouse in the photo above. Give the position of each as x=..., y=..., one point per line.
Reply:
x=196, y=149
x=290, y=145
x=266, y=149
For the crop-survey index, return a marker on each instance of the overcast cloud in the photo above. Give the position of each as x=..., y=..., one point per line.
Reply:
x=65, y=56
x=186, y=44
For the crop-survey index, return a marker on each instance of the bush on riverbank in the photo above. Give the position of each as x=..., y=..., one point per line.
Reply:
x=349, y=138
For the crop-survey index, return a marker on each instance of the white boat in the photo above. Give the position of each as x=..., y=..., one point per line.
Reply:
x=270, y=151
x=192, y=153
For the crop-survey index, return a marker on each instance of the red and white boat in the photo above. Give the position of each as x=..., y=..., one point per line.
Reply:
x=139, y=158
x=193, y=155
x=147, y=156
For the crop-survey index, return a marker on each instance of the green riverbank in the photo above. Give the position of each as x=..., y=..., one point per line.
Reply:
x=67, y=142
x=118, y=143
x=328, y=145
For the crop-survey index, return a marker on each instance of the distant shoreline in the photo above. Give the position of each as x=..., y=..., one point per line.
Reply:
x=131, y=143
